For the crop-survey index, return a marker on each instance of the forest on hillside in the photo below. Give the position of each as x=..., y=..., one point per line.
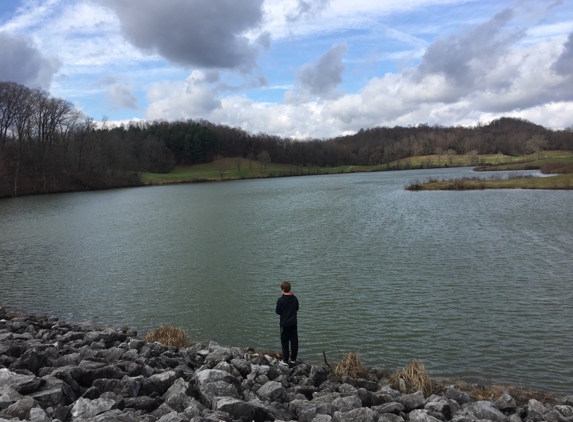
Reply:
x=46, y=145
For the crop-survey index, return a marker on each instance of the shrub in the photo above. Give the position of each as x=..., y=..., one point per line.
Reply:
x=415, y=377
x=350, y=366
x=168, y=336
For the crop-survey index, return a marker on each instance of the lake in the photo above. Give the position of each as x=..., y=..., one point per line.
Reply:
x=475, y=284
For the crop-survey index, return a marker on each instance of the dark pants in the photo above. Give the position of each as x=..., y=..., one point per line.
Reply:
x=289, y=335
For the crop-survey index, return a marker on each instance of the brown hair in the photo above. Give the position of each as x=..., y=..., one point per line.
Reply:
x=285, y=286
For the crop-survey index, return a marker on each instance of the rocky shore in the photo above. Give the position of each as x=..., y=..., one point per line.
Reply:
x=51, y=370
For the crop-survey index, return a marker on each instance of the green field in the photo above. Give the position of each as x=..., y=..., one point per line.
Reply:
x=227, y=169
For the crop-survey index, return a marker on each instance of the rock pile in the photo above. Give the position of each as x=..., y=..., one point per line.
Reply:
x=54, y=371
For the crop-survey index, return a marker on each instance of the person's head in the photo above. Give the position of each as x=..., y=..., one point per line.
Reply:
x=285, y=286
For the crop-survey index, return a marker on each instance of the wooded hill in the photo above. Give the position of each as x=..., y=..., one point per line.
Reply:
x=48, y=146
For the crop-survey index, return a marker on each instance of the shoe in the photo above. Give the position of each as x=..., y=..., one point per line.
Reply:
x=283, y=364
x=292, y=362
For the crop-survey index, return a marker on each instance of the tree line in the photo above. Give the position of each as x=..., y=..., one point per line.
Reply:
x=46, y=145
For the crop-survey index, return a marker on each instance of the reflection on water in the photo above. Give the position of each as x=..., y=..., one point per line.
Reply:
x=476, y=284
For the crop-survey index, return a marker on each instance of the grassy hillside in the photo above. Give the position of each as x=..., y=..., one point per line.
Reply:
x=227, y=168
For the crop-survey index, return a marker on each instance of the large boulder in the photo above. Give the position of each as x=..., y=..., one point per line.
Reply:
x=459, y=396
x=536, y=411
x=421, y=415
x=485, y=410
x=88, y=409
x=21, y=409
x=412, y=401
x=209, y=391
x=346, y=404
x=272, y=391
x=53, y=392
x=23, y=384
x=363, y=414
x=238, y=409
x=212, y=375
x=177, y=397
x=506, y=403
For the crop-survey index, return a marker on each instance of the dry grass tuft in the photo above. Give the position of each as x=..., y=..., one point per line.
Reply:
x=168, y=336
x=350, y=366
x=415, y=377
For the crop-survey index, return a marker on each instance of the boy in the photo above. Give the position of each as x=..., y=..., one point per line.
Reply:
x=287, y=307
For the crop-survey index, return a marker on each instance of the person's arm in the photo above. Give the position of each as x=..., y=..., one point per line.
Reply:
x=279, y=307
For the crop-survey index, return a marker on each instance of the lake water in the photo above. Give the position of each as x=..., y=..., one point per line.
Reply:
x=476, y=284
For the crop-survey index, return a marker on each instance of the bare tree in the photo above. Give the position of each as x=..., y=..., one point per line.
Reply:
x=473, y=157
x=238, y=162
x=264, y=158
x=250, y=157
x=439, y=153
x=220, y=165
x=536, y=144
x=451, y=153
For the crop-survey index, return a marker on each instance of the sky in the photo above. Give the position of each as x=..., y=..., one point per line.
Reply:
x=297, y=68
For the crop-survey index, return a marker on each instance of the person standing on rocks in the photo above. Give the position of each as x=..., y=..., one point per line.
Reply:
x=287, y=307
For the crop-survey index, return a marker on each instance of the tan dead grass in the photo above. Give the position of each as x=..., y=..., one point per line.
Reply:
x=168, y=336
x=415, y=377
x=350, y=366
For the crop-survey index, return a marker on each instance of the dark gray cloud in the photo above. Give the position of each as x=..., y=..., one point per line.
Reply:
x=307, y=8
x=321, y=78
x=564, y=64
x=204, y=33
x=21, y=62
x=467, y=57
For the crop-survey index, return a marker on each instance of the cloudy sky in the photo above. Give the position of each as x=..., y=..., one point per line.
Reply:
x=297, y=68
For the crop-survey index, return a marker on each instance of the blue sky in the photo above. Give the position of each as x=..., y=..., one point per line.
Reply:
x=297, y=68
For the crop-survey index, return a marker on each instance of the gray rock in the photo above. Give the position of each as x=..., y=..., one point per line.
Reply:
x=412, y=401
x=23, y=384
x=459, y=396
x=441, y=405
x=318, y=374
x=515, y=418
x=421, y=415
x=97, y=370
x=194, y=409
x=505, y=402
x=177, y=397
x=273, y=391
x=220, y=354
x=536, y=411
x=86, y=409
x=560, y=413
x=270, y=411
x=171, y=417
x=209, y=391
x=347, y=389
x=390, y=417
x=53, y=393
x=143, y=403
x=38, y=415
x=238, y=409
x=346, y=404
x=363, y=414
x=485, y=410
x=395, y=408
x=213, y=375
x=9, y=396
x=361, y=383
x=21, y=409
x=322, y=418
x=31, y=359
